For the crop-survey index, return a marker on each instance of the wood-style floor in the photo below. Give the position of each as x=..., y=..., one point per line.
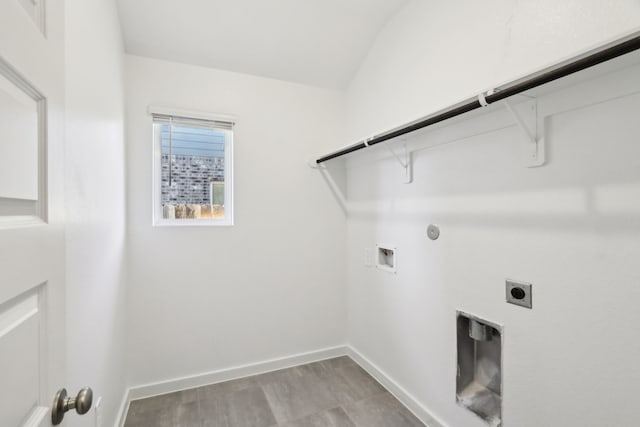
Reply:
x=331, y=393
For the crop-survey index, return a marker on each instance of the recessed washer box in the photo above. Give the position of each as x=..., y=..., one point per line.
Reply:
x=386, y=258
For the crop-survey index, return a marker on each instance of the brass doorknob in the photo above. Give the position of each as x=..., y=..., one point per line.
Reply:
x=62, y=403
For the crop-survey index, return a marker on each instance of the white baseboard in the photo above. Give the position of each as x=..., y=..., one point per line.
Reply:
x=183, y=383
x=199, y=380
x=406, y=398
x=124, y=407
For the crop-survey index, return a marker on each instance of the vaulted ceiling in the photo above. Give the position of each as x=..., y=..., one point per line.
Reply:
x=314, y=42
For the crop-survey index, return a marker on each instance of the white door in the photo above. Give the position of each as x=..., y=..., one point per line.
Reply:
x=32, y=340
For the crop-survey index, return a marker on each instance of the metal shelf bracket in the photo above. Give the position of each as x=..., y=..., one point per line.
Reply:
x=313, y=165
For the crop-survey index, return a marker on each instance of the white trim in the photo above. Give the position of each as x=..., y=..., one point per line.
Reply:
x=18, y=314
x=39, y=417
x=232, y=373
x=157, y=219
x=407, y=399
x=124, y=408
x=236, y=372
x=153, y=109
x=221, y=375
x=18, y=221
x=40, y=214
x=190, y=222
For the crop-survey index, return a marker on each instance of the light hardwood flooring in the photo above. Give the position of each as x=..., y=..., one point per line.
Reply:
x=331, y=393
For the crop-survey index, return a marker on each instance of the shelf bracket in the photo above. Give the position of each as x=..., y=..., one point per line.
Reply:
x=526, y=117
x=313, y=165
x=406, y=164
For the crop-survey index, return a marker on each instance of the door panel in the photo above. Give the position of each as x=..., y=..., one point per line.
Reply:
x=18, y=143
x=23, y=143
x=21, y=354
x=32, y=339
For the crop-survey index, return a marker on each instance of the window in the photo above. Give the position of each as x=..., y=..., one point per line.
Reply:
x=193, y=178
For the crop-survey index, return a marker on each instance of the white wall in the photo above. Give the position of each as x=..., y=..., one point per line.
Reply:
x=272, y=285
x=434, y=54
x=570, y=227
x=95, y=205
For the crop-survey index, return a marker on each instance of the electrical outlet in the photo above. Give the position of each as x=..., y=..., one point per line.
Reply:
x=97, y=410
x=519, y=293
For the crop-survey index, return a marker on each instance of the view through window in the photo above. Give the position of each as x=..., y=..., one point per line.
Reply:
x=194, y=169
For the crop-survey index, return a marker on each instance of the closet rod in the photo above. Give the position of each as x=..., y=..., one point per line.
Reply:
x=589, y=60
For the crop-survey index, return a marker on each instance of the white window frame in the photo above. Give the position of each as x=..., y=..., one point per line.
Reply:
x=157, y=214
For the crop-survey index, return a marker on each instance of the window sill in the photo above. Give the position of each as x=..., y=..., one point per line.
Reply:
x=192, y=223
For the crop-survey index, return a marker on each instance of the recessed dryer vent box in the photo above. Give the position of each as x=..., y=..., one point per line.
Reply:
x=479, y=373
x=386, y=258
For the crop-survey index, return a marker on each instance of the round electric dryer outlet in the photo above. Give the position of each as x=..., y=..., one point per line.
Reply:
x=518, y=293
